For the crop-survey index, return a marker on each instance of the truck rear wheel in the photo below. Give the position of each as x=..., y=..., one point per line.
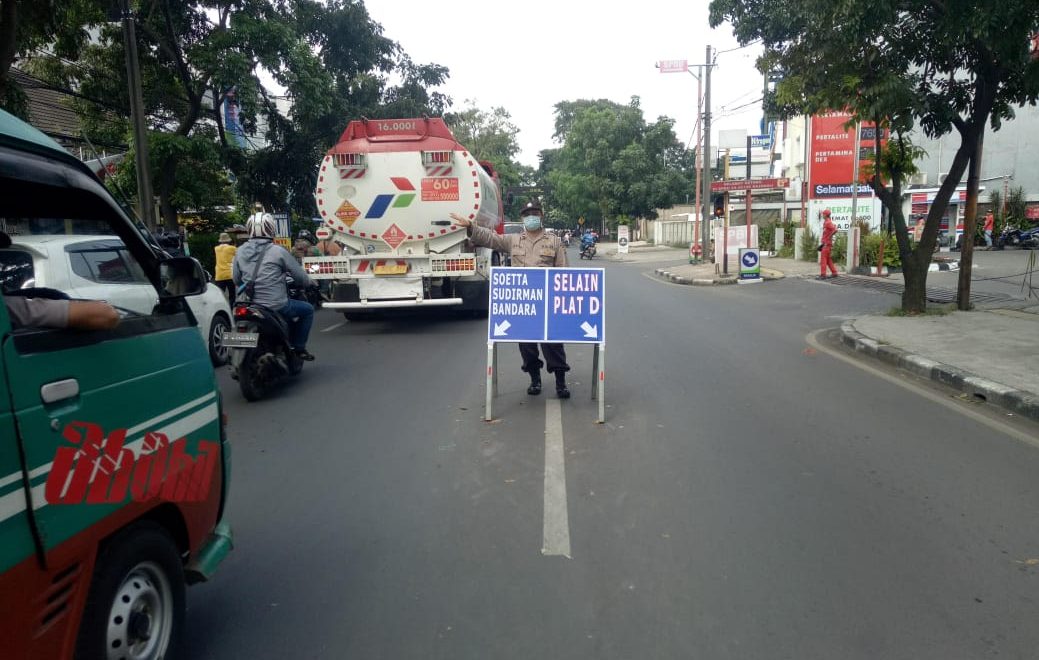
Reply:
x=135, y=608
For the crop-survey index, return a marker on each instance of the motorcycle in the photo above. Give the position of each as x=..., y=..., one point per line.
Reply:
x=261, y=354
x=587, y=251
x=1025, y=238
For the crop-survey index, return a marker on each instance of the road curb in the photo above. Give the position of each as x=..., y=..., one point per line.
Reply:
x=693, y=281
x=1017, y=401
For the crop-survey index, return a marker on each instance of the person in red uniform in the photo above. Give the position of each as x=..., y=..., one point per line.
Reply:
x=826, y=246
x=990, y=224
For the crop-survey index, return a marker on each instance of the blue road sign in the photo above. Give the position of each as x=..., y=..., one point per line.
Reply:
x=547, y=304
x=576, y=305
x=517, y=311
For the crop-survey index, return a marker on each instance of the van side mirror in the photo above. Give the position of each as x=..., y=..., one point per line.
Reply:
x=181, y=276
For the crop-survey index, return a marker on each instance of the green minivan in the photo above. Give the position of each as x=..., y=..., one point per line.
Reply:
x=113, y=453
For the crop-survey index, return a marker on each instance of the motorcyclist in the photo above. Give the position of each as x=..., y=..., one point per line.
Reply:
x=587, y=240
x=269, y=288
x=304, y=246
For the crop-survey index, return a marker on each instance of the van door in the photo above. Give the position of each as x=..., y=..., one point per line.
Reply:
x=18, y=559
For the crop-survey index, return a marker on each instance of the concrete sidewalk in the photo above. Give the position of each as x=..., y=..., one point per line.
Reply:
x=988, y=354
x=772, y=268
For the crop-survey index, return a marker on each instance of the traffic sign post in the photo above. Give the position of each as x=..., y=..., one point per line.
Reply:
x=750, y=265
x=622, y=239
x=553, y=305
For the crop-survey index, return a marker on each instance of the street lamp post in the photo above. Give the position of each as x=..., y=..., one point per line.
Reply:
x=703, y=139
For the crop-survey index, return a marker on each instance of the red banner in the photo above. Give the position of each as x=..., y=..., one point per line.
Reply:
x=752, y=184
x=832, y=159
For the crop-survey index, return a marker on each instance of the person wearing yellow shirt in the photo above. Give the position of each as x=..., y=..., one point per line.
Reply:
x=225, y=252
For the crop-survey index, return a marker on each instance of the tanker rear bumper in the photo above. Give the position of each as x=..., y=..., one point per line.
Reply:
x=382, y=304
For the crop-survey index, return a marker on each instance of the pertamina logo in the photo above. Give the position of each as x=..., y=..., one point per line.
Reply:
x=394, y=236
x=399, y=201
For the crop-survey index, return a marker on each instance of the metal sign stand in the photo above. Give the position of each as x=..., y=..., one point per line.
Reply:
x=598, y=379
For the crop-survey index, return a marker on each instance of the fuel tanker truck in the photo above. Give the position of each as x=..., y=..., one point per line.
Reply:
x=386, y=191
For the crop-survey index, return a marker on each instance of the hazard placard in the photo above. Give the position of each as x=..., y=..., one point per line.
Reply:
x=348, y=213
x=394, y=236
x=440, y=189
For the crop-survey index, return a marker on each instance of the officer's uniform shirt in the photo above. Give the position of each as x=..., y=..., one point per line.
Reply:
x=544, y=251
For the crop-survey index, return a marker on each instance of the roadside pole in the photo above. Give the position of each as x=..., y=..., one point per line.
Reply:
x=748, y=201
x=725, y=219
x=706, y=214
x=970, y=221
x=140, y=132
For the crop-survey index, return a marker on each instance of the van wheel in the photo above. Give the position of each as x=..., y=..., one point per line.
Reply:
x=249, y=379
x=218, y=353
x=135, y=608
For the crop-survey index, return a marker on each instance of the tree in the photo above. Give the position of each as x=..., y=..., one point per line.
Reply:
x=934, y=65
x=612, y=163
x=491, y=136
x=329, y=56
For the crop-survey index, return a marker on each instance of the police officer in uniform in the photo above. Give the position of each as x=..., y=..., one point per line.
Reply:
x=532, y=248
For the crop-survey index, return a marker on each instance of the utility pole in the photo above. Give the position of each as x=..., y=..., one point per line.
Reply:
x=706, y=177
x=145, y=201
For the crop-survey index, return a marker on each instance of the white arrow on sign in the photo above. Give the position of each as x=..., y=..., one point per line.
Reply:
x=590, y=330
x=501, y=328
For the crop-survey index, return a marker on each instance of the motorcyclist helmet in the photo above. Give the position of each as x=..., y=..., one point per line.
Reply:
x=261, y=225
x=305, y=235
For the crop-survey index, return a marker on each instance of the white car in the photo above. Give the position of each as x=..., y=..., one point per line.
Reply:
x=98, y=268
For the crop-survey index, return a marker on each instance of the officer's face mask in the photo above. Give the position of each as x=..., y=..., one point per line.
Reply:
x=531, y=222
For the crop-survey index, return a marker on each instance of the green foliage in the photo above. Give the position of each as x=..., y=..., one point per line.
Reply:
x=809, y=243
x=840, y=247
x=612, y=163
x=1016, y=209
x=491, y=136
x=330, y=56
x=870, y=250
x=201, y=246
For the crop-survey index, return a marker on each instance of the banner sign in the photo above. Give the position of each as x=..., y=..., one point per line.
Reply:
x=832, y=159
x=752, y=184
x=547, y=305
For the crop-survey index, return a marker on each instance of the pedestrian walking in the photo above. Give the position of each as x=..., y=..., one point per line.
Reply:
x=826, y=246
x=225, y=251
x=990, y=224
x=533, y=248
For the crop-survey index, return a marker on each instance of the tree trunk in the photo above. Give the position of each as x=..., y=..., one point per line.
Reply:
x=914, y=296
x=970, y=222
x=167, y=181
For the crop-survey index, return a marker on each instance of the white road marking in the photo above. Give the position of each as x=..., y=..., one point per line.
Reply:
x=557, y=521
x=334, y=326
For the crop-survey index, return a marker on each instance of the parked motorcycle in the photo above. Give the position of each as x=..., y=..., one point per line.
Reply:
x=1025, y=238
x=261, y=354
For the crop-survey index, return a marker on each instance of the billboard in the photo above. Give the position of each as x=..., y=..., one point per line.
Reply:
x=832, y=159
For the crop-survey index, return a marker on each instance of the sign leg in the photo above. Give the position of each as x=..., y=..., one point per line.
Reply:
x=601, y=379
x=494, y=368
x=489, y=413
x=595, y=371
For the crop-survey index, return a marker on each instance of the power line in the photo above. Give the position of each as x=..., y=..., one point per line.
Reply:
x=729, y=50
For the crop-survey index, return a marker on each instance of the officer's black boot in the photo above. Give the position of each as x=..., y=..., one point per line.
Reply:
x=535, y=383
x=561, y=389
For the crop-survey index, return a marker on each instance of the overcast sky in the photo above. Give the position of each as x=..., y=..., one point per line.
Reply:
x=527, y=56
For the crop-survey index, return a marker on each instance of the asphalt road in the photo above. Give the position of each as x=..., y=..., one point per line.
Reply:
x=750, y=496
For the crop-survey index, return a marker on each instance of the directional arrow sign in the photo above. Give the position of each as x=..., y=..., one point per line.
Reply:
x=517, y=304
x=576, y=305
